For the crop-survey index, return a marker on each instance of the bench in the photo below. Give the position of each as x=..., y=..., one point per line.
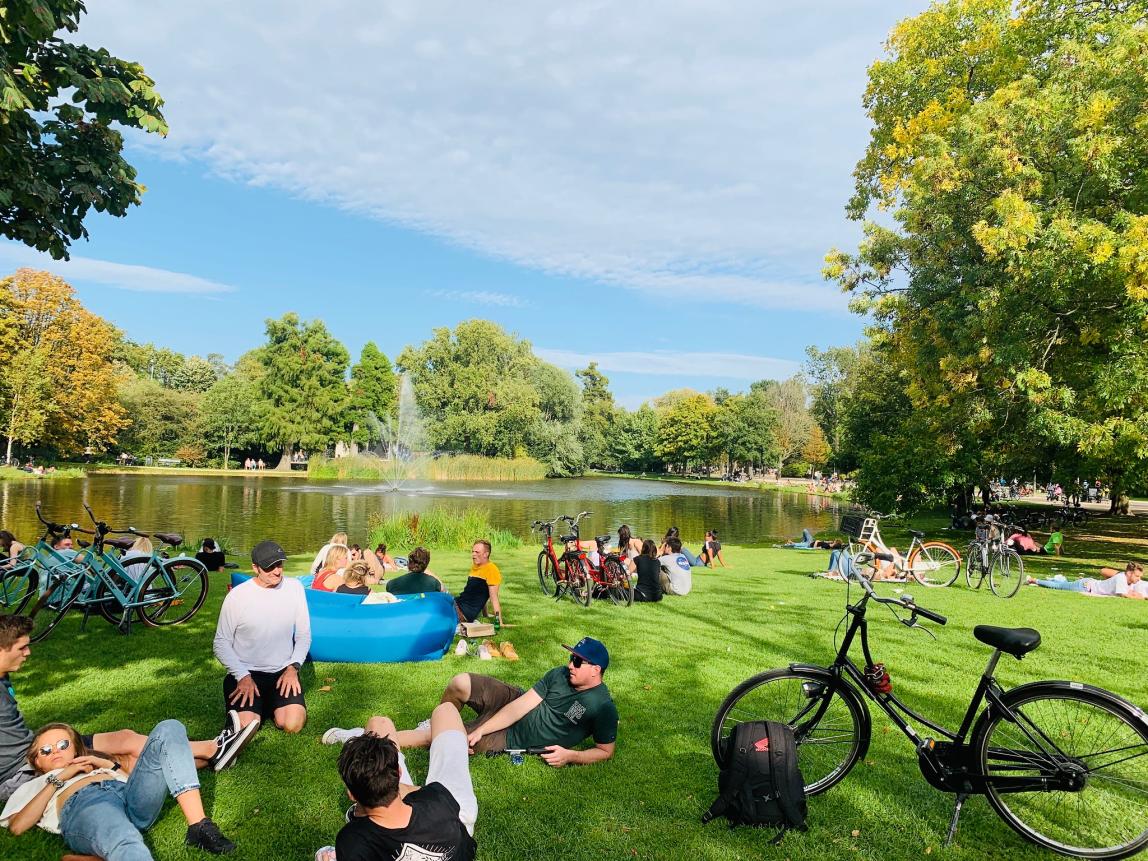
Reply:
x=168, y=461
x=298, y=464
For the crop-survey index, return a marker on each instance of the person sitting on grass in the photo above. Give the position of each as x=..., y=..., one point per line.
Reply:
x=9, y=549
x=339, y=539
x=1112, y=583
x=358, y=579
x=711, y=550
x=676, y=577
x=649, y=568
x=330, y=576
x=393, y=819
x=481, y=587
x=664, y=549
x=98, y=807
x=387, y=562
x=418, y=579
x=211, y=556
x=564, y=708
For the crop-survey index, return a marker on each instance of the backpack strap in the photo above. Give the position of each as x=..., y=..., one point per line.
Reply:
x=788, y=784
x=734, y=774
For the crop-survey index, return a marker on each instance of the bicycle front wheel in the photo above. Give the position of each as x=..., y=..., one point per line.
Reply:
x=579, y=586
x=547, y=576
x=1007, y=573
x=973, y=565
x=619, y=585
x=935, y=563
x=173, y=594
x=1090, y=750
x=829, y=721
x=59, y=594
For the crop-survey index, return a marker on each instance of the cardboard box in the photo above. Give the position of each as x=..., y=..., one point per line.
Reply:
x=471, y=630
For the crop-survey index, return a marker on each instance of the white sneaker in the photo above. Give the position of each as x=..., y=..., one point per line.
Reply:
x=335, y=735
x=461, y=648
x=484, y=652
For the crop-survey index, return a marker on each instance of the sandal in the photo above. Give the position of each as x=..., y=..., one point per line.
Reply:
x=495, y=652
x=508, y=651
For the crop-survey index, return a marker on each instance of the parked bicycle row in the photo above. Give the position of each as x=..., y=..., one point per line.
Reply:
x=119, y=574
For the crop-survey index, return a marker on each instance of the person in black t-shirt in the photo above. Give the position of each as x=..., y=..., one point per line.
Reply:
x=392, y=819
x=649, y=585
x=211, y=556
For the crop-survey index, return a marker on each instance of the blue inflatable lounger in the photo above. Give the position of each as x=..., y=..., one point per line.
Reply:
x=344, y=629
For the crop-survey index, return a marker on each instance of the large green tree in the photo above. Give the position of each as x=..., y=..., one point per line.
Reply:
x=686, y=434
x=60, y=153
x=374, y=395
x=1009, y=289
x=598, y=414
x=302, y=387
x=227, y=415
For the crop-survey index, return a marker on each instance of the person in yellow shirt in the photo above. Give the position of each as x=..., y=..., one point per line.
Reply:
x=481, y=586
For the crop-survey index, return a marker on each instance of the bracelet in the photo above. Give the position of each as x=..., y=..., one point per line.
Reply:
x=115, y=765
x=55, y=781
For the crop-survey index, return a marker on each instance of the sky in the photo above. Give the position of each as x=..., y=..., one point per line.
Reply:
x=649, y=186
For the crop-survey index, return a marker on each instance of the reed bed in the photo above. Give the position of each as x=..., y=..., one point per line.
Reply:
x=438, y=529
x=459, y=467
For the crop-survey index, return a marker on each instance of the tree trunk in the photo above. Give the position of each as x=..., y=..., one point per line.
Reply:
x=285, y=461
x=226, y=454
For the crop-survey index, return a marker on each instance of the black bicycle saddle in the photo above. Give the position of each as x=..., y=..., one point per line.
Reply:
x=1018, y=642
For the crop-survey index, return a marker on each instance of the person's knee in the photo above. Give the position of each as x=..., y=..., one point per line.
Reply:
x=381, y=725
x=459, y=687
x=170, y=731
x=445, y=717
x=291, y=719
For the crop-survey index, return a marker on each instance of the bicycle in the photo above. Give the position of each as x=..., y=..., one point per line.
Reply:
x=989, y=556
x=930, y=563
x=151, y=586
x=575, y=573
x=1064, y=764
x=20, y=582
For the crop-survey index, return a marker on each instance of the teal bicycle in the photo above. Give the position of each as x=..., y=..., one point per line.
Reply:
x=20, y=582
x=159, y=590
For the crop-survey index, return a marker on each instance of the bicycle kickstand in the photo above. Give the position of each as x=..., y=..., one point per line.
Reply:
x=87, y=615
x=961, y=796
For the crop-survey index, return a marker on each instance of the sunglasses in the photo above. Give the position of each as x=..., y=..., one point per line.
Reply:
x=62, y=744
x=577, y=661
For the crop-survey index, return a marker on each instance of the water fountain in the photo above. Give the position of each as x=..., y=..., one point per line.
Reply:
x=404, y=441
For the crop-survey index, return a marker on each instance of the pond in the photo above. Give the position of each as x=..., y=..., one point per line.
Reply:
x=302, y=514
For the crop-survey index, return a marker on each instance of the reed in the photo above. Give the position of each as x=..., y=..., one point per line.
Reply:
x=459, y=467
x=438, y=529
x=10, y=473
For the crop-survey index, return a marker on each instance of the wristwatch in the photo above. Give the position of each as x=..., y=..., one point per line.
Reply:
x=298, y=666
x=55, y=781
x=115, y=766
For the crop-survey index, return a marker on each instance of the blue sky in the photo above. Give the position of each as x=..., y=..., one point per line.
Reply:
x=653, y=187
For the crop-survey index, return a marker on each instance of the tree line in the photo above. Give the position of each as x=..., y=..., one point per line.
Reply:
x=72, y=384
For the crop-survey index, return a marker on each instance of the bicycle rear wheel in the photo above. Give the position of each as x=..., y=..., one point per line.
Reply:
x=828, y=718
x=1007, y=573
x=935, y=563
x=579, y=586
x=547, y=575
x=174, y=593
x=18, y=586
x=619, y=585
x=1063, y=732
x=974, y=564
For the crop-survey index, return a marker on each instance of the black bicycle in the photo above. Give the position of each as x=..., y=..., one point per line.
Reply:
x=1064, y=764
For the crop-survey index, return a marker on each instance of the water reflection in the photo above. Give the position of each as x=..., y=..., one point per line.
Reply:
x=241, y=510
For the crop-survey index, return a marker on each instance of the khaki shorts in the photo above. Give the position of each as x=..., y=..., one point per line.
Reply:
x=487, y=696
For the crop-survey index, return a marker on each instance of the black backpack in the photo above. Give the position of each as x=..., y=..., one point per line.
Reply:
x=761, y=783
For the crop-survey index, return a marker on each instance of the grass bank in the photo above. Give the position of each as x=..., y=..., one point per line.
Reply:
x=438, y=529
x=794, y=486
x=460, y=467
x=671, y=665
x=10, y=473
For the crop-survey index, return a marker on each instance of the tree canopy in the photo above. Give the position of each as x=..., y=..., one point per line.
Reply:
x=60, y=153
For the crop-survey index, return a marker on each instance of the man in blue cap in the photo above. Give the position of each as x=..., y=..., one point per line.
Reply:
x=565, y=707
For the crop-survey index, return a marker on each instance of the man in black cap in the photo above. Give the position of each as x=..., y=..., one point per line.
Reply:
x=565, y=706
x=263, y=636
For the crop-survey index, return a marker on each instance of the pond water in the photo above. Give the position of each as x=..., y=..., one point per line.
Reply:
x=302, y=514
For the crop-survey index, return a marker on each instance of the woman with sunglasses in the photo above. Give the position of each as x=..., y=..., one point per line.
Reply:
x=99, y=809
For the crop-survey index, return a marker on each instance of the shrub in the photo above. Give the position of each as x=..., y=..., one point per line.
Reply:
x=438, y=529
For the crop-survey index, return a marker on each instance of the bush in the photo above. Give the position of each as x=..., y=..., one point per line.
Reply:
x=191, y=455
x=459, y=467
x=438, y=529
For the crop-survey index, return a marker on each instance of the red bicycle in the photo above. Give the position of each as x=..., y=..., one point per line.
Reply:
x=573, y=573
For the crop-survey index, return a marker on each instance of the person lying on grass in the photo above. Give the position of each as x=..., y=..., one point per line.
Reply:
x=100, y=809
x=1127, y=583
x=394, y=819
x=564, y=708
x=125, y=745
x=840, y=561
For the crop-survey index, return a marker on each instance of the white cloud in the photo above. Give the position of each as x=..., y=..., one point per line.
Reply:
x=121, y=276
x=731, y=366
x=703, y=149
x=480, y=297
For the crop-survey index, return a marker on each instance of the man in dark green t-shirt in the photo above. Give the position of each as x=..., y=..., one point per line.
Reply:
x=566, y=706
x=418, y=579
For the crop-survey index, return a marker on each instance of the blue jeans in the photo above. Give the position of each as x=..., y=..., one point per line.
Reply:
x=841, y=562
x=1066, y=585
x=106, y=819
x=693, y=560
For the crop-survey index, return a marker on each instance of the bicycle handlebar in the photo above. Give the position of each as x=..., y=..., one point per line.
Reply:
x=905, y=600
x=55, y=528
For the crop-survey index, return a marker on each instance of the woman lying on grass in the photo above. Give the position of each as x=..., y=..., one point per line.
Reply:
x=1127, y=583
x=97, y=807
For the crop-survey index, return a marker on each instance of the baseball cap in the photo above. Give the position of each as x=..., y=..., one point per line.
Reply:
x=267, y=554
x=591, y=651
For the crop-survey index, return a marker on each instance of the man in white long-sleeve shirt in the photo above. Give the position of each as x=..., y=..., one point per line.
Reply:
x=263, y=636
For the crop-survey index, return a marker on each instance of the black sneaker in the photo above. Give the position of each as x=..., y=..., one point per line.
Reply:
x=230, y=743
x=206, y=835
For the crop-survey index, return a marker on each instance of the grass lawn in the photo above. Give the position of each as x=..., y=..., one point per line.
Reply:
x=672, y=663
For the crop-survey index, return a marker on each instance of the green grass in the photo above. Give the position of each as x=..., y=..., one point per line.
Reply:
x=438, y=529
x=459, y=467
x=672, y=663
x=9, y=473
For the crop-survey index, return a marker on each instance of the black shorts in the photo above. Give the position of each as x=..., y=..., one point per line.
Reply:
x=267, y=698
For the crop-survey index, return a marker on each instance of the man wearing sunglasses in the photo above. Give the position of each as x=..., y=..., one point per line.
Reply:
x=263, y=636
x=566, y=706
x=125, y=744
